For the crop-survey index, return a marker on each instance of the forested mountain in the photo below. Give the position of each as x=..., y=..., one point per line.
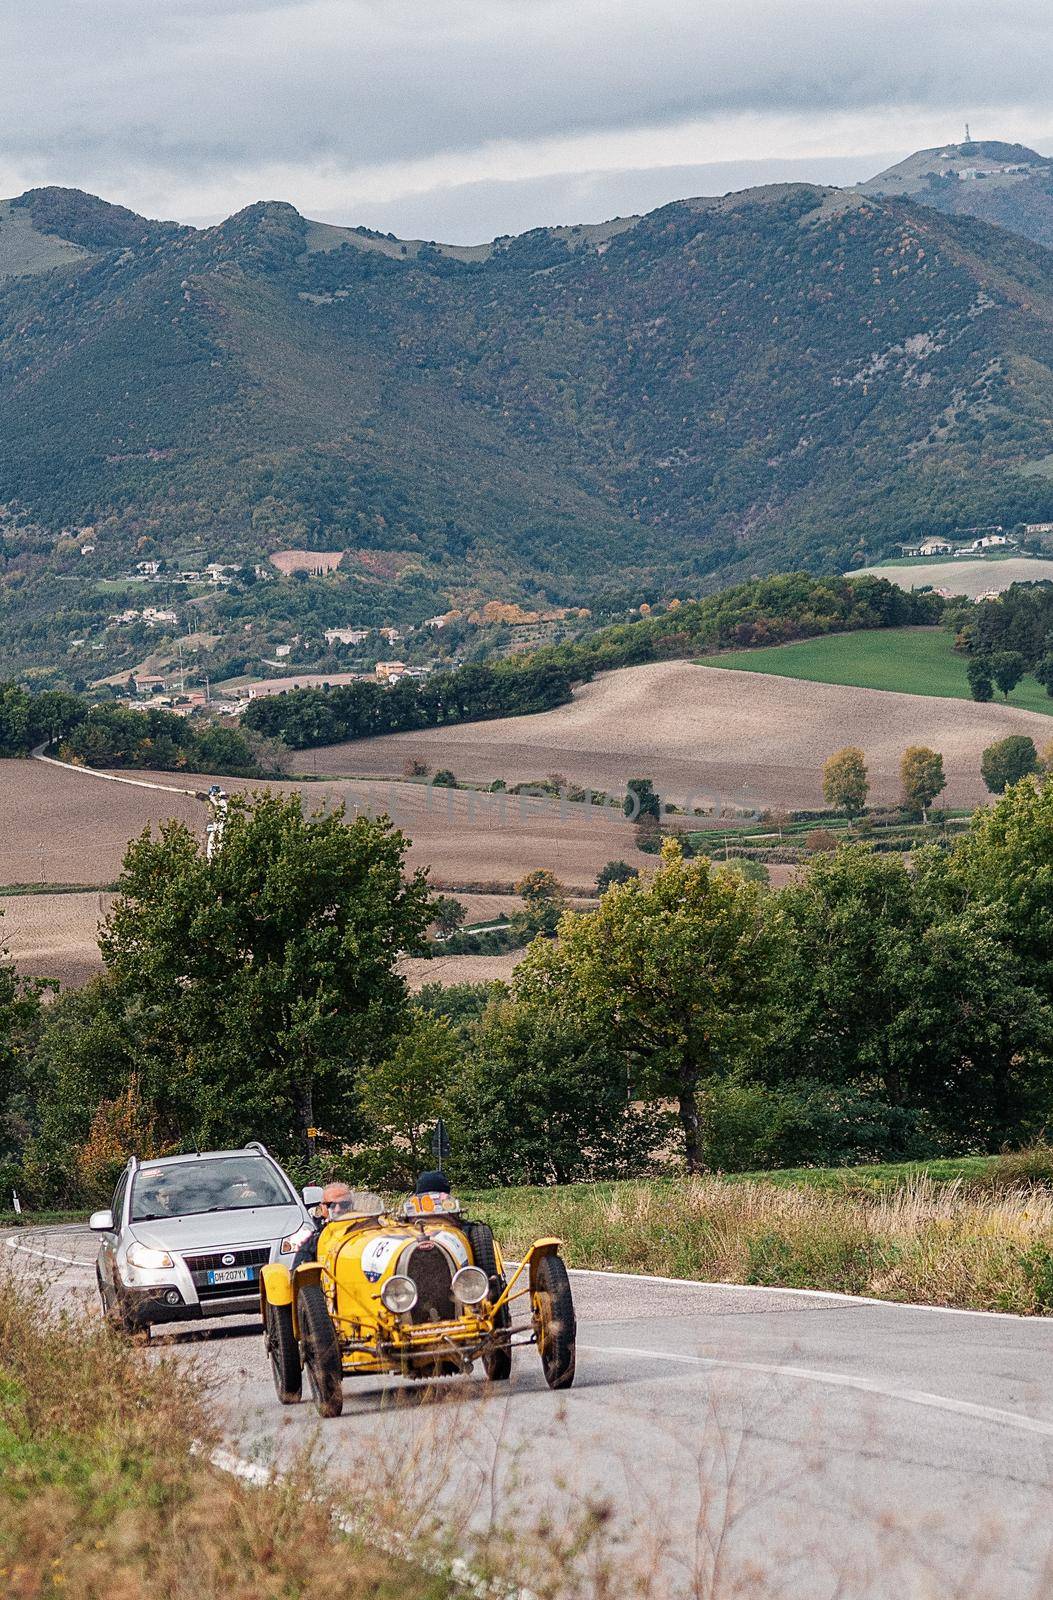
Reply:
x=780, y=378
x=1006, y=184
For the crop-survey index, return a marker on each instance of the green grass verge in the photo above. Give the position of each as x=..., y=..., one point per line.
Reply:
x=907, y=660
x=975, y=1232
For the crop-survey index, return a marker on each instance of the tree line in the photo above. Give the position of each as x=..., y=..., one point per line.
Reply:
x=867, y=1011
x=111, y=735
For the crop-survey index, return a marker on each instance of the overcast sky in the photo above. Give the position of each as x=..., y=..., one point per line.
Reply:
x=460, y=119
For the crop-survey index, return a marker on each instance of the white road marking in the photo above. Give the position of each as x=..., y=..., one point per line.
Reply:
x=842, y=1380
x=48, y=1255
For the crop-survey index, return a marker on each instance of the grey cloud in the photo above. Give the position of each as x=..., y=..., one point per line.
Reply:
x=97, y=88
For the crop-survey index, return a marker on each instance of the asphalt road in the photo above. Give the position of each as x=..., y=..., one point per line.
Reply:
x=743, y=1441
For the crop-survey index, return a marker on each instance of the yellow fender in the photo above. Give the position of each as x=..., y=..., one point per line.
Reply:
x=537, y=1252
x=275, y=1285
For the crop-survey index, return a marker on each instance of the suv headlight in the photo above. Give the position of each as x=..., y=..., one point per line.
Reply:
x=141, y=1255
x=295, y=1240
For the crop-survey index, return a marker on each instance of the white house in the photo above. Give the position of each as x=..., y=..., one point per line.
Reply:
x=345, y=635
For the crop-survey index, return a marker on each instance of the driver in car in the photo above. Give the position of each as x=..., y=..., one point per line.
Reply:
x=336, y=1197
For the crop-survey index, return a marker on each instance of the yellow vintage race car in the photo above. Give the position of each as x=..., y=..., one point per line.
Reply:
x=421, y=1292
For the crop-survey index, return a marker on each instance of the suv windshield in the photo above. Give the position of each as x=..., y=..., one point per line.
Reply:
x=229, y=1183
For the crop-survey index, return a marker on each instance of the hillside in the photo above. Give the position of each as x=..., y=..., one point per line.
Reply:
x=787, y=376
x=731, y=739
x=1005, y=184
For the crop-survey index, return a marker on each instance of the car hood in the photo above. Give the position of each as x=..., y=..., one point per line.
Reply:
x=219, y=1230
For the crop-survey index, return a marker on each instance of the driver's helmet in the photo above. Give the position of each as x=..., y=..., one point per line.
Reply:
x=432, y=1183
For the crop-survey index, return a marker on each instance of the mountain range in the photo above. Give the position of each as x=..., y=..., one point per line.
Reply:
x=789, y=376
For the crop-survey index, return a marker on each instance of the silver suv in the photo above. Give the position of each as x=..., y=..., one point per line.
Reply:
x=185, y=1236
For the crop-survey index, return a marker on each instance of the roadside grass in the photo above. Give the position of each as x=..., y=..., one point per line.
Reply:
x=107, y=1493
x=906, y=660
x=979, y=1237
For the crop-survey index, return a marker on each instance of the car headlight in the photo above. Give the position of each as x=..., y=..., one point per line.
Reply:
x=470, y=1285
x=295, y=1240
x=141, y=1255
x=399, y=1293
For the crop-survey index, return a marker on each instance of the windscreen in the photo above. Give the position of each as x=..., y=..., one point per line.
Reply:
x=227, y=1183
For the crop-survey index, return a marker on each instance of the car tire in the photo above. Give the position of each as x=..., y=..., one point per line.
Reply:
x=321, y=1352
x=497, y=1361
x=284, y=1353
x=554, y=1322
x=113, y=1312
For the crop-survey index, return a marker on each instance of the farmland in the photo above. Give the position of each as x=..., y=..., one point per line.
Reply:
x=59, y=826
x=970, y=578
x=917, y=661
x=732, y=738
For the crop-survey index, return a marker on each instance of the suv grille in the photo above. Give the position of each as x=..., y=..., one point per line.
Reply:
x=430, y=1271
x=201, y=1266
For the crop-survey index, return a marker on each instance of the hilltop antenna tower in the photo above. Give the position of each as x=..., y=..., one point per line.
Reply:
x=968, y=135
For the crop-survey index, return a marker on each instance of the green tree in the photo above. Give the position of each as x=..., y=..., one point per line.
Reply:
x=615, y=872
x=673, y=973
x=978, y=671
x=1007, y=761
x=1007, y=669
x=845, y=783
x=1044, y=672
x=544, y=902
x=642, y=802
x=447, y=914
x=264, y=981
x=543, y=1098
x=922, y=777
x=400, y=1097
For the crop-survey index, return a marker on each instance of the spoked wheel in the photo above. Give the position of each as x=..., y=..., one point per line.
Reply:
x=284, y=1353
x=497, y=1361
x=552, y=1305
x=321, y=1353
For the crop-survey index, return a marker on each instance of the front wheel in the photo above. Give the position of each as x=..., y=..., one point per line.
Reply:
x=555, y=1325
x=284, y=1353
x=497, y=1361
x=321, y=1353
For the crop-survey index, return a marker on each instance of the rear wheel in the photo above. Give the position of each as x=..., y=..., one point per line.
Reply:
x=497, y=1361
x=284, y=1353
x=321, y=1353
x=554, y=1322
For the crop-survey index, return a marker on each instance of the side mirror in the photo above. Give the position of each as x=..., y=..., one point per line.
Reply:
x=101, y=1222
x=312, y=1195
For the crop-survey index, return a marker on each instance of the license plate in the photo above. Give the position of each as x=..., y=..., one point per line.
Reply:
x=232, y=1275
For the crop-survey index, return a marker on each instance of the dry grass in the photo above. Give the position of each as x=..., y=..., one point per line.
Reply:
x=752, y=739
x=934, y=1244
x=103, y=1498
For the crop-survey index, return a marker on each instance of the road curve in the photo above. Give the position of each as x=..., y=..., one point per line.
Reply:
x=746, y=1441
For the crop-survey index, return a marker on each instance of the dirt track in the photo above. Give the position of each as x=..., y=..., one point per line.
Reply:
x=740, y=738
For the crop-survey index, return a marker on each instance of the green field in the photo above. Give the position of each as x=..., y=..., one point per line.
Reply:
x=909, y=660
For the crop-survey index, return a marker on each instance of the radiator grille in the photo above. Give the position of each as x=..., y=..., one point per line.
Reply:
x=430, y=1271
x=201, y=1266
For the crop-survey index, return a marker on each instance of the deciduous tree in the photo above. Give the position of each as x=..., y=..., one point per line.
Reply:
x=845, y=782
x=922, y=777
x=263, y=981
x=1007, y=761
x=672, y=973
